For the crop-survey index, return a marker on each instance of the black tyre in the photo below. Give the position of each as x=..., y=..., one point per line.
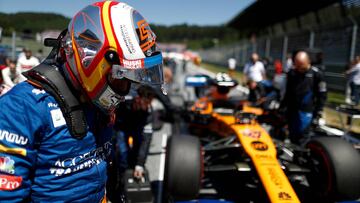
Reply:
x=335, y=169
x=183, y=167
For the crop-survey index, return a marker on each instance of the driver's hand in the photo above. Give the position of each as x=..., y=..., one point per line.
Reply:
x=138, y=172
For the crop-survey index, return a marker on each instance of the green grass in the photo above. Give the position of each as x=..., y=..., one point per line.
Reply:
x=335, y=98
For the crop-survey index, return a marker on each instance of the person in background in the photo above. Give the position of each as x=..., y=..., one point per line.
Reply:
x=11, y=76
x=289, y=63
x=254, y=70
x=219, y=89
x=27, y=62
x=134, y=127
x=22, y=53
x=304, y=98
x=4, y=61
x=170, y=64
x=353, y=78
x=263, y=94
x=279, y=79
x=267, y=61
x=132, y=122
x=231, y=66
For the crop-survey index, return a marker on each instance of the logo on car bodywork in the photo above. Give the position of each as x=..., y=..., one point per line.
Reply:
x=252, y=133
x=284, y=196
x=274, y=177
x=260, y=146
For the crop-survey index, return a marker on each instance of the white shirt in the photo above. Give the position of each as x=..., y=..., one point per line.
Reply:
x=254, y=71
x=24, y=64
x=232, y=63
x=10, y=78
x=288, y=66
x=354, y=74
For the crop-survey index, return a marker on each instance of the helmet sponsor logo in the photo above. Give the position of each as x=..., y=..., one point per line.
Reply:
x=7, y=165
x=147, y=37
x=10, y=182
x=13, y=138
x=128, y=43
x=260, y=146
x=132, y=64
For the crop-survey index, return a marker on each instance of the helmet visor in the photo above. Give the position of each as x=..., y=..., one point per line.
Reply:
x=148, y=71
x=87, y=31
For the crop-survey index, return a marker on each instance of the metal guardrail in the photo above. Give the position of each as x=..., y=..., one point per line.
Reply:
x=339, y=46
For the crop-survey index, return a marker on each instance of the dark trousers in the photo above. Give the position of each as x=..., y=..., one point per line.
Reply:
x=299, y=123
x=355, y=92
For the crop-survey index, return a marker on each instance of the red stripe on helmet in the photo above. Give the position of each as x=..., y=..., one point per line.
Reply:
x=99, y=4
x=95, y=62
x=75, y=47
x=71, y=74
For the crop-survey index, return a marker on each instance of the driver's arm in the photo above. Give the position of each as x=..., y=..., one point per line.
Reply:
x=20, y=122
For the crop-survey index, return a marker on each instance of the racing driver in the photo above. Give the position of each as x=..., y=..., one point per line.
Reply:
x=54, y=127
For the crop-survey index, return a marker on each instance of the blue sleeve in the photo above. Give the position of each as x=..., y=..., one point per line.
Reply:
x=270, y=91
x=20, y=121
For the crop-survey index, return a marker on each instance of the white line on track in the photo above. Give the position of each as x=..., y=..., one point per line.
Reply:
x=162, y=167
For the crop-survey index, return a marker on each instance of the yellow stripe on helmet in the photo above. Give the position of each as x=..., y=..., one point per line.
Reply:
x=107, y=25
x=92, y=81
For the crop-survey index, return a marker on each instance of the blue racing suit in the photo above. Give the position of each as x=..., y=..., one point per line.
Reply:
x=39, y=160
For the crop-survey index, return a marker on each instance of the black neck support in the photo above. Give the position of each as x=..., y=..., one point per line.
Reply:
x=53, y=82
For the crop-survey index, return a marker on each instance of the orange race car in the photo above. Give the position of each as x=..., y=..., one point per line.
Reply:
x=239, y=161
